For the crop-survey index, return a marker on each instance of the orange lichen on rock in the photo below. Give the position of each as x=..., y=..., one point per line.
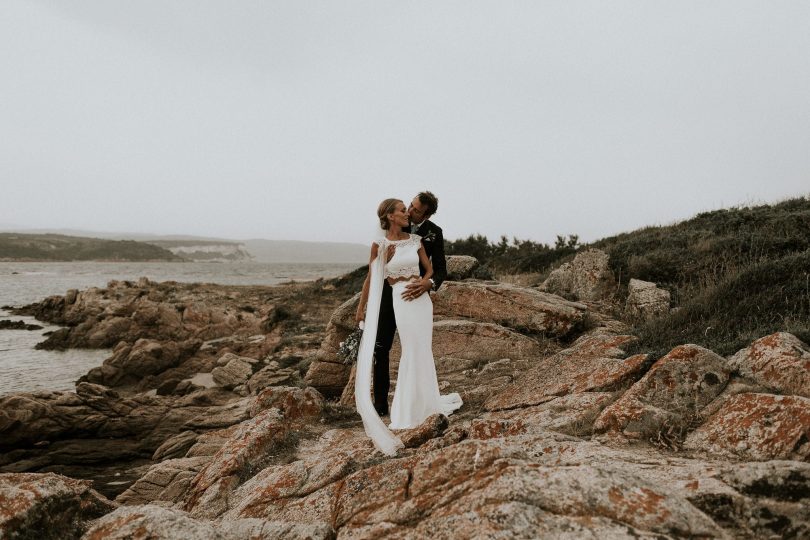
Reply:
x=757, y=427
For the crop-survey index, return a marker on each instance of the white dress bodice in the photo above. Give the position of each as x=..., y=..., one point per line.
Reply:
x=405, y=262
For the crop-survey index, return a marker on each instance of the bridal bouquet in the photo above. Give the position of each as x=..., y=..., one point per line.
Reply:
x=347, y=351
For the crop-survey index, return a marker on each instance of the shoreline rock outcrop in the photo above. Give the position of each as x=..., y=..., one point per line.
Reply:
x=567, y=429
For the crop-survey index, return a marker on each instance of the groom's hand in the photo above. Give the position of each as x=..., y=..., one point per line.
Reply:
x=416, y=289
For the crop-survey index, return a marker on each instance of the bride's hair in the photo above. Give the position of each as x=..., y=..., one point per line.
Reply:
x=386, y=207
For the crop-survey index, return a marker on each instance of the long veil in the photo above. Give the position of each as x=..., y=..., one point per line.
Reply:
x=385, y=441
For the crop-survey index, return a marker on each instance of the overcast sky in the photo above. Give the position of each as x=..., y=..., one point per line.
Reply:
x=293, y=120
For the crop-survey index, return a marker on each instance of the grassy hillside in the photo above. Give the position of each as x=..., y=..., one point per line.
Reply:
x=734, y=274
x=57, y=247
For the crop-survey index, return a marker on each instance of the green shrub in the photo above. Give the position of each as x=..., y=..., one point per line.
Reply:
x=711, y=243
x=744, y=305
x=517, y=256
x=735, y=274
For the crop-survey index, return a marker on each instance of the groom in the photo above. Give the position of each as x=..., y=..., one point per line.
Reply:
x=423, y=206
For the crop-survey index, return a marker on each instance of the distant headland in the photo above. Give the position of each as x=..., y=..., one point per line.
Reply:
x=51, y=246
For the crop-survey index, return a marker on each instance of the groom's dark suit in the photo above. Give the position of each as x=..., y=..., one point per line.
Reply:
x=433, y=241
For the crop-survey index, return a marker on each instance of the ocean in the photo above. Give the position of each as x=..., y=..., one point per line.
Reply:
x=25, y=369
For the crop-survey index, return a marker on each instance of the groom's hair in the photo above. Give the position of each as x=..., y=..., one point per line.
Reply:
x=429, y=199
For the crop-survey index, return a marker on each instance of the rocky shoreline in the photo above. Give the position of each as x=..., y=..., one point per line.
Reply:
x=224, y=412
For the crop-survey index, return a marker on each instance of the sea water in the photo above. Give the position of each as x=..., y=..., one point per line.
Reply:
x=25, y=369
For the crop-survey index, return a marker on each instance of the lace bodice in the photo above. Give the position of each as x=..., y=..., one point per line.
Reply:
x=405, y=262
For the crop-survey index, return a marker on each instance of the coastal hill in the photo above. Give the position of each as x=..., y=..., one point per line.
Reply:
x=57, y=247
x=205, y=250
x=227, y=411
x=185, y=247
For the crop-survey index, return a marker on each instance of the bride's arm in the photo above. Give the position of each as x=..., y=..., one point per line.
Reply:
x=361, y=307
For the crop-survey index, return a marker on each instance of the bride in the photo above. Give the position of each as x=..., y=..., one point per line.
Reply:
x=395, y=257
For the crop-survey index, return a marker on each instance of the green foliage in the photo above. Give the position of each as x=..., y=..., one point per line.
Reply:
x=710, y=244
x=735, y=275
x=513, y=257
x=57, y=247
x=744, y=305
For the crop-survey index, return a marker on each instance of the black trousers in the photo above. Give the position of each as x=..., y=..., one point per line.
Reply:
x=386, y=328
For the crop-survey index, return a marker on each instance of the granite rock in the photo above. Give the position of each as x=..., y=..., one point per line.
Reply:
x=646, y=300
x=780, y=362
x=587, y=277
x=47, y=506
x=671, y=394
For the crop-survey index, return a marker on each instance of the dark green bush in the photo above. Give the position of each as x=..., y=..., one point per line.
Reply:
x=762, y=298
x=517, y=256
x=735, y=274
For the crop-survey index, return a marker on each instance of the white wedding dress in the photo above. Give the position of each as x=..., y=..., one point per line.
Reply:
x=416, y=395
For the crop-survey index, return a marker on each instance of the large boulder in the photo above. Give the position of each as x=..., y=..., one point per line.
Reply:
x=294, y=403
x=462, y=348
x=241, y=456
x=475, y=341
x=497, y=312
x=587, y=277
x=151, y=522
x=233, y=370
x=303, y=490
x=779, y=362
x=672, y=394
x=327, y=373
x=573, y=414
x=175, y=446
x=165, y=312
x=329, y=378
x=272, y=375
x=594, y=363
x=757, y=427
x=460, y=267
x=95, y=424
x=645, y=300
x=514, y=307
x=166, y=482
x=523, y=487
x=131, y=362
x=47, y=506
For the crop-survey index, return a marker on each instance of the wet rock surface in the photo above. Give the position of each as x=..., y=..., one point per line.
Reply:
x=18, y=325
x=570, y=437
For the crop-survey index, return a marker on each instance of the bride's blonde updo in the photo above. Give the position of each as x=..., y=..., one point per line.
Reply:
x=386, y=207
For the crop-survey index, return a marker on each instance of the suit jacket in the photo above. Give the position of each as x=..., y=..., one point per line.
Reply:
x=433, y=240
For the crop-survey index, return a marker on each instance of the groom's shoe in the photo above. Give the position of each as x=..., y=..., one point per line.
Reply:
x=381, y=410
